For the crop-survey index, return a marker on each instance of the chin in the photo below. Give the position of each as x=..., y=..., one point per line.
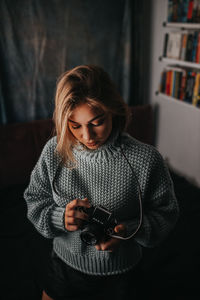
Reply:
x=93, y=146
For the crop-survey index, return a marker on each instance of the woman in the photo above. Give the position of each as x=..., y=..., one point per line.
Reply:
x=93, y=174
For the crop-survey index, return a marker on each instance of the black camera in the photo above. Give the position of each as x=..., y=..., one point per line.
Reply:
x=100, y=225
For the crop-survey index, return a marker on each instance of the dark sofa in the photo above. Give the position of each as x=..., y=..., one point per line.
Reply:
x=167, y=271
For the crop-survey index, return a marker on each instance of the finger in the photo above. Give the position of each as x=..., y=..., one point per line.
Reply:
x=98, y=247
x=109, y=245
x=73, y=221
x=72, y=227
x=77, y=214
x=78, y=202
x=120, y=228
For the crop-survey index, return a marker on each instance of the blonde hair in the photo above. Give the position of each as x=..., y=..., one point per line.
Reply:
x=85, y=84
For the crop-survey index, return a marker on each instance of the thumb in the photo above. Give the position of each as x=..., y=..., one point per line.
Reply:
x=85, y=199
x=119, y=228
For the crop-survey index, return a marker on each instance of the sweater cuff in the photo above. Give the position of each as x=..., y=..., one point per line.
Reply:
x=58, y=218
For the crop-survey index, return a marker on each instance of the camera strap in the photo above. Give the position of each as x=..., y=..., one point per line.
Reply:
x=140, y=204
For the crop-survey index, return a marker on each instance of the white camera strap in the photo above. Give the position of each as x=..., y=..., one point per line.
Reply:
x=140, y=205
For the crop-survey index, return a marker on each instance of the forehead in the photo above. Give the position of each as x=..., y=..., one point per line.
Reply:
x=84, y=113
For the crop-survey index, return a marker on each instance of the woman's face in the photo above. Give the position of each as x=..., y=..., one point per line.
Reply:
x=90, y=128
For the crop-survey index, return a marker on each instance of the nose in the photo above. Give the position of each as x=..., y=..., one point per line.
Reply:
x=87, y=134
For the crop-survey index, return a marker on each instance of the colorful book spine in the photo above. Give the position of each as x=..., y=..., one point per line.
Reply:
x=183, y=46
x=165, y=44
x=190, y=10
x=179, y=84
x=170, y=10
x=185, y=4
x=162, y=82
x=168, y=82
x=189, y=86
x=175, y=11
x=198, y=49
x=184, y=11
x=198, y=12
x=196, y=95
x=172, y=83
x=174, y=45
x=183, y=85
x=189, y=47
x=194, y=46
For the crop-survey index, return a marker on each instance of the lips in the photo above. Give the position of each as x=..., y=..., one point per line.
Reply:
x=92, y=144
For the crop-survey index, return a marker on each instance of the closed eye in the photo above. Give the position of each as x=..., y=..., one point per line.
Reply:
x=76, y=127
x=90, y=124
x=99, y=123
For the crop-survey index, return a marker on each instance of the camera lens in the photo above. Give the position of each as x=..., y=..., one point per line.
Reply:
x=91, y=234
x=89, y=238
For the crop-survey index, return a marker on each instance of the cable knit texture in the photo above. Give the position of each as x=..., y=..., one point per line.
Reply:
x=105, y=178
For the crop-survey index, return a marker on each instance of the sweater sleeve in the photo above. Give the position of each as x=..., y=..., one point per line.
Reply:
x=42, y=211
x=159, y=206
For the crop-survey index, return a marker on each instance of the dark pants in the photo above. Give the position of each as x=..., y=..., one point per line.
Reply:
x=65, y=283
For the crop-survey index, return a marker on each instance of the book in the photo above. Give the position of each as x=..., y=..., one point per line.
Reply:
x=183, y=85
x=162, y=82
x=172, y=80
x=183, y=11
x=190, y=10
x=198, y=49
x=172, y=83
x=183, y=46
x=197, y=102
x=189, y=47
x=176, y=77
x=165, y=44
x=177, y=84
x=170, y=11
x=196, y=96
x=175, y=11
x=189, y=86
x=198, y=13
x=185, y=4
x=194, y=11
x=174, y=45
x=194, y=46
x=168, y=82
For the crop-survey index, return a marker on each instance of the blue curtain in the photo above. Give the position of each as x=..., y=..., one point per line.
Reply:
x=40, y=39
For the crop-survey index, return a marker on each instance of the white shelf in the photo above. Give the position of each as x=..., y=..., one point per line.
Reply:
x=180, y=62
x=177, y=101
x=182, y=25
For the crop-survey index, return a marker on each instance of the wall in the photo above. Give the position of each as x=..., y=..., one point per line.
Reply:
x=178, y=124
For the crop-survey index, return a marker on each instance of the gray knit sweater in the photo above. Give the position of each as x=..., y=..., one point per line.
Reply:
x=105, y=178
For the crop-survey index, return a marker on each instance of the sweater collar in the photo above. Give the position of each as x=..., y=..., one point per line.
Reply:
x=109, y=149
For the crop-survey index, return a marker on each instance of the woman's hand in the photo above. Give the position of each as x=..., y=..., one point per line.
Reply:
x=112, y=243
x=74, y=217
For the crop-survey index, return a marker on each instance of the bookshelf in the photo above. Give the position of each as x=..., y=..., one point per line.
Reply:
x=182, y=25
x=172, y=99
x=181, y=48
x=177, y=122
x=178, y=62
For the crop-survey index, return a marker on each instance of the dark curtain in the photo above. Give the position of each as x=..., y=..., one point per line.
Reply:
x=40, y=39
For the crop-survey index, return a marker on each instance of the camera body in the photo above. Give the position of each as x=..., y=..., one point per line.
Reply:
x=100, y=225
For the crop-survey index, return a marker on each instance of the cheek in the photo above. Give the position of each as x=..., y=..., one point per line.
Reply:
x=106, y=130
x=74, y=132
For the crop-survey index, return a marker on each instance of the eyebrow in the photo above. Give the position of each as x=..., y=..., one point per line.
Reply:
x=97, y=117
